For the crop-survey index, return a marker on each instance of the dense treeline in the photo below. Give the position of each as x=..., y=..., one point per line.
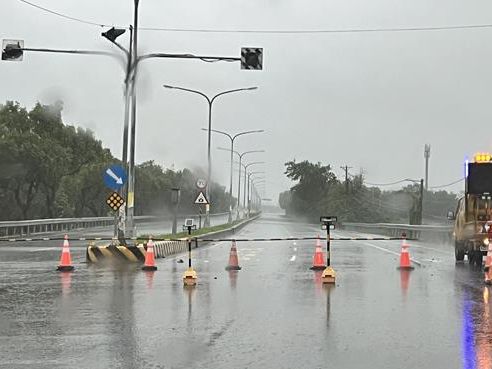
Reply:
x=50, y=170
x=318, y=191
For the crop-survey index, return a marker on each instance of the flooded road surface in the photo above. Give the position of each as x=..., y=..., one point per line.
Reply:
x=274, y=313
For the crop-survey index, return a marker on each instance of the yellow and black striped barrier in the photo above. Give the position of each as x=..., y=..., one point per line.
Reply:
x=134, y=254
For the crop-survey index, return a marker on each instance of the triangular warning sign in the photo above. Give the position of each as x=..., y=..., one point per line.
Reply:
x=201, y=199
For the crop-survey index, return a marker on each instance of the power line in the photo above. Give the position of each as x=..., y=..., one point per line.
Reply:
x=266, y=31
x=320, y=31
x=80, y=20
x=448, y=184
x=387, y=184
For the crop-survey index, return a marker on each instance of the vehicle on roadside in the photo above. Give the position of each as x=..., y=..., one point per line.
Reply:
x=473, y=216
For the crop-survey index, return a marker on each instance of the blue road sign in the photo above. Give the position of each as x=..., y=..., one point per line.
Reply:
x=114, y=177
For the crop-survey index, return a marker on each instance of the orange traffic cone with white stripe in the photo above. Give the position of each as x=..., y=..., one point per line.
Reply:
x=65, y=259
x=405, y=263
x=149, y=264
x=318, y=258
x=233, y=260
x=488, y=265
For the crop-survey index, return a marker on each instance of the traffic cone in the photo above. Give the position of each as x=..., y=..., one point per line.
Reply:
x=65, y=259
x=405, y=263
x=233, y=261
x=149, y=257
x=318, y=258
x=488, y=265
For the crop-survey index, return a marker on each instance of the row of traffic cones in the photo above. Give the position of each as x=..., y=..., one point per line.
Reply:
x=65, y=264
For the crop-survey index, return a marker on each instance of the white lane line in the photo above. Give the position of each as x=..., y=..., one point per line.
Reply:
x=295, y=248
x=45, y=249
x=391, y=252
x=293, y=258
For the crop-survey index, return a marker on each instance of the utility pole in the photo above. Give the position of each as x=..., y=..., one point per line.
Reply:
x=427, y=153
x=421, y=202
x=346, y=168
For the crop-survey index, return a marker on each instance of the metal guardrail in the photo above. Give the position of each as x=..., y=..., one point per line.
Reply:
x=441, y=231
x=28, y=227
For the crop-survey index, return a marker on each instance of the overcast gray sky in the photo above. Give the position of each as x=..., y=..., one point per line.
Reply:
x=369, y=100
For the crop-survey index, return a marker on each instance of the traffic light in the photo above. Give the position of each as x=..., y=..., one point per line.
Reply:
x=113, y=33
x=12, y=50
x=252, y=58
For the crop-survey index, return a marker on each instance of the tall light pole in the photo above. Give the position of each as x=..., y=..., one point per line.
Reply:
x=246, y=183
x=210, y=101
x=249, y=185
x=427, y=153
x=130, y=201
x=255, y=183
x=232, y=138
x=240, y=155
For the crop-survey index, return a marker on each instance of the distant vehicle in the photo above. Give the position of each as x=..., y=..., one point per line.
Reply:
x=473, y=217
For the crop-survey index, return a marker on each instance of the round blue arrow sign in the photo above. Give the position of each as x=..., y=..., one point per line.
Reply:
x=114, y=177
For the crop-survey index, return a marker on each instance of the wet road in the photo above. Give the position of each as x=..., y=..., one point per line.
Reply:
x=275, y=313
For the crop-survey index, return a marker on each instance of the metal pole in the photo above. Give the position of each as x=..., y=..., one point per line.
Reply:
x=209, y=170
x=328, y=256
x=231, y=201
x=244, y=195
x=421, y=201
x=120, y=232
x=239, y=188
x=131, y=167
x=427, y=156
x=249, y=202
x=189, y=247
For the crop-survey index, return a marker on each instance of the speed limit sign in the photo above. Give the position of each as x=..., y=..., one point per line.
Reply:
x=201, y=183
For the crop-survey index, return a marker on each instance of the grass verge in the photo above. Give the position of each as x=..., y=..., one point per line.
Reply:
x=198, y=232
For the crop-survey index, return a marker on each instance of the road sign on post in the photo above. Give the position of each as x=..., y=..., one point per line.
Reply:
x=114, y=177
x=201, y=199
x=252, y=58
x=12, y=50
x=201, y=183
x=115, y=201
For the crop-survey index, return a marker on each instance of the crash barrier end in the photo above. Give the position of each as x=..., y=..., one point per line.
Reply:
x=328, y=275
x=190, y=277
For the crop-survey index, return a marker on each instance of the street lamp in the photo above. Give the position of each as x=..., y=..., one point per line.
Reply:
x=249, y=185
x=232, y=138
x=246, y=166
x=240, y=155
x=210, y=101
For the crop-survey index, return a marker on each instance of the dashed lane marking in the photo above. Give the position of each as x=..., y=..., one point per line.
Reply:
x=391, y=252
x=293, y=258
x=45, y=249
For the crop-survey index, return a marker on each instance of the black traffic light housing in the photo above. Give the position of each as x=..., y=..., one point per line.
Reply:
x=12, y=51
x=113, y=33
x=252, y=58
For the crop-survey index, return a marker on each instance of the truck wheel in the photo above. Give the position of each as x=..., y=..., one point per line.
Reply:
x=478, y=258
x=459, y=253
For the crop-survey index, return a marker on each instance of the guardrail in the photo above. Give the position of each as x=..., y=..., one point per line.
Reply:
x=34, y=226
x=442, y=232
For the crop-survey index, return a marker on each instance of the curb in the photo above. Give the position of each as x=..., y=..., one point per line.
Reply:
x=162, y=249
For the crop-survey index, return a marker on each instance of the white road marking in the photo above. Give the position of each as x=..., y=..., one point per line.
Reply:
x=293, y=258
x=295, y=248
x=391, y=252
x=45, y=249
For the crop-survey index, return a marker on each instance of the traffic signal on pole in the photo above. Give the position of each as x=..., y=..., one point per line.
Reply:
x=12, y=50
x=113, y=33
x=252, y=58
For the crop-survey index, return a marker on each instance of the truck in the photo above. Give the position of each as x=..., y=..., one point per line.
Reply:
x=472, y=230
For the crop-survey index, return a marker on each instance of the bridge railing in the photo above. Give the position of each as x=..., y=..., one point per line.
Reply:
x=36, y=226
x=441, y=232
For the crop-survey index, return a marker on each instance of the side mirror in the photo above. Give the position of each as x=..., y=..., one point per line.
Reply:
x=451, y=215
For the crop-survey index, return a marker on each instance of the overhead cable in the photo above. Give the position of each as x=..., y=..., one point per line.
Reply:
x=270, y=31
